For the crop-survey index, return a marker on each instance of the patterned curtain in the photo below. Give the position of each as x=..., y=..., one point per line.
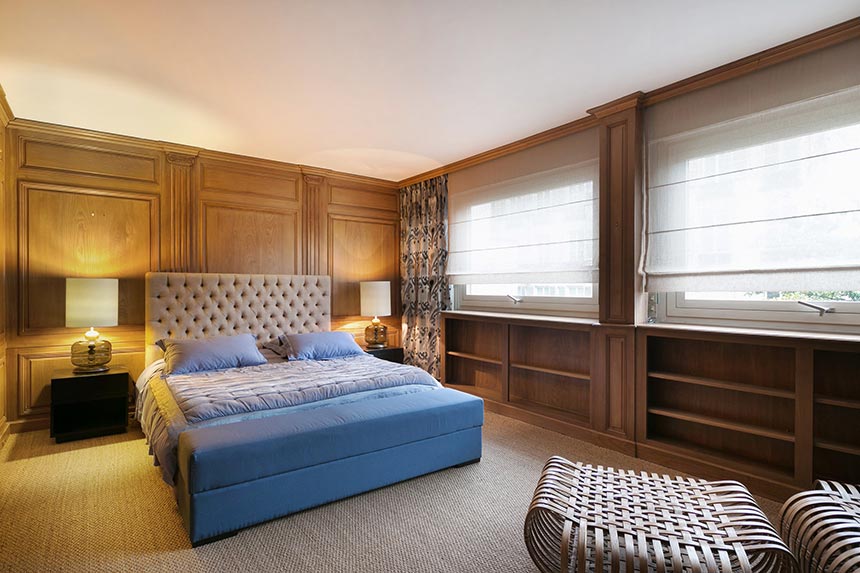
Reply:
x=423, y=264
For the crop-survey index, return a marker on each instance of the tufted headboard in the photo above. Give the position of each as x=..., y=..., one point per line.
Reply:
x=197, y=305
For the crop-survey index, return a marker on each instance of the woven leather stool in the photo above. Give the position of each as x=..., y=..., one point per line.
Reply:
x=584, y=518
x=822, y=527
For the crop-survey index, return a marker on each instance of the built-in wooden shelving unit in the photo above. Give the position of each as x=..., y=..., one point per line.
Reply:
x=777, y=412
x=773, y=411
x=533, y=368
x=837, y=415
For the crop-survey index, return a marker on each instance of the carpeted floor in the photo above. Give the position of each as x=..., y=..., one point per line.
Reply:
x=99, y=505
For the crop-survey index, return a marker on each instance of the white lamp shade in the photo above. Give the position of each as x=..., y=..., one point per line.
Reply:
x=376, y=298
x=92, y=302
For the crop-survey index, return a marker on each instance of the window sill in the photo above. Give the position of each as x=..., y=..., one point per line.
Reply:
x=783, y=334
x=513, y=317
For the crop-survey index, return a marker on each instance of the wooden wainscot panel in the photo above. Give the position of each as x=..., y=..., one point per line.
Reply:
x=38, y=152
x=246, y=240
x=262, y=179
x=614, y=380
x=356, y=199
x=383, y=200
x=620, y=165
x=72, y=232
x=35, y=366
x=361, y=249
x=179, y=217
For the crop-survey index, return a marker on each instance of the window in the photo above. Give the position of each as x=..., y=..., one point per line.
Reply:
x=753, y=200
x=762, y=309
x=527, y=244
x=575, y=299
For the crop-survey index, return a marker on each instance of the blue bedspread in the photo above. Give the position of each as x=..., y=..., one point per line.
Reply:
x=168, y=406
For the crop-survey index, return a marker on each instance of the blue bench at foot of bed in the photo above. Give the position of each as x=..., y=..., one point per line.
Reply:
x=237, y=475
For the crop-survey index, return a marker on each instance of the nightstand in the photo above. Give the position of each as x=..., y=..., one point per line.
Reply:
x=88, y=405
x=391, y=353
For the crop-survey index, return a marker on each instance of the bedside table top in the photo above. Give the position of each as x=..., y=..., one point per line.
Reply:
x=69, y=374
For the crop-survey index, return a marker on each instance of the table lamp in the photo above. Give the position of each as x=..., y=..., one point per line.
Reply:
x=91, y=302
x=376, y=302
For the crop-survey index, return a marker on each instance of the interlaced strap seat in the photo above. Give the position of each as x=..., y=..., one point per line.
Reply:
x=822, y=527
x=585, y=518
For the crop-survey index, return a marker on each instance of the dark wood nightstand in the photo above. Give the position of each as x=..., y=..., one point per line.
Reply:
x=391, y=353
x=88, y=405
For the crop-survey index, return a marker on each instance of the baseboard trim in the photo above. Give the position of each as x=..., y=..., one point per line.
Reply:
x=568, y=429
x=693, y=465
x=29, y=425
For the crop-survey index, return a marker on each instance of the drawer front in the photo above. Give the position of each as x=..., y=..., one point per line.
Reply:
x=85, y=388
x=389, y=354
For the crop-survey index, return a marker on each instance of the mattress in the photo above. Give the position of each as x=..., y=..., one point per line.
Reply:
x=167, y=406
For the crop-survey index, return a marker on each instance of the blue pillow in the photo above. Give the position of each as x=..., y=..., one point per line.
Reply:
x=315, y=346
x=216, y=353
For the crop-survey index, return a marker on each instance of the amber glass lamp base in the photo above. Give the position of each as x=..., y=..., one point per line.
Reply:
x=376, y=334
x=91, y=355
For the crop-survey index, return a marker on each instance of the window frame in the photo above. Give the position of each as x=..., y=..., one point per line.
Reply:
x=578, y=307
x=676, y=308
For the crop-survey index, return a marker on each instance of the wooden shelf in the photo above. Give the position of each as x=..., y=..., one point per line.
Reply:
x=553, y=371
x=839, y=402
x=837, y=447
x=474, y=357
x=722, y=459
x=714, y=383
x=475, y=390
x=723, y=424
x=556, y=413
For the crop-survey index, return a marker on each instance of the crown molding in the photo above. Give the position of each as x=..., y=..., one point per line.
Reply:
x=175, y=152
x=570, y=128
x=806, y=45
x=627, y=102
x=308, y=170
x=6, y=115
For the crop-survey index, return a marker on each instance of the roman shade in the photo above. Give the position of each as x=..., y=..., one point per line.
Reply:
x=527, y=220
x=754, y=184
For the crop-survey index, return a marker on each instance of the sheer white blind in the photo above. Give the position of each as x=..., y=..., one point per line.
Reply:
x=768, y=200
x=540, y=228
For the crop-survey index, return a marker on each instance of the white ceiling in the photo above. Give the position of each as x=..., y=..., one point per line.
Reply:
x=386, y=88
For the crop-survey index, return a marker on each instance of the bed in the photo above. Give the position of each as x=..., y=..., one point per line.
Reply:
x=242, y=446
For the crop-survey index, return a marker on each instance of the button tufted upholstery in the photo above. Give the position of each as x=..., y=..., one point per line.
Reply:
x=197, y=305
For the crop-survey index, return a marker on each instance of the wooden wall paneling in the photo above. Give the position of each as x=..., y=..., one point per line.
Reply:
x=66, y=156
x=315, y=201
x=5, y=117
x=71, y=231
x=362, y=226
x=620, y=166
x=237, y=239
x=180, y=216
x=250, y=217
x=360, y=249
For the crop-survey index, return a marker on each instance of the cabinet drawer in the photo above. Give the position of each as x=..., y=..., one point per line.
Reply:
x=86, y=388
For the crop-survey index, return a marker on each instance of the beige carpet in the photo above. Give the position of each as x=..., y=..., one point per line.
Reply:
x=99, y=505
